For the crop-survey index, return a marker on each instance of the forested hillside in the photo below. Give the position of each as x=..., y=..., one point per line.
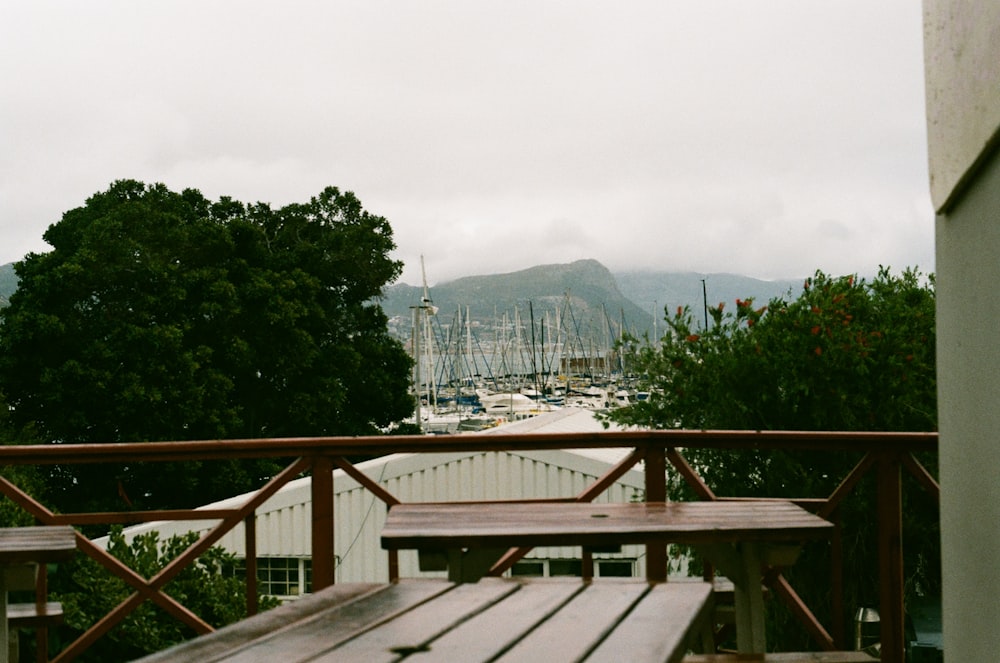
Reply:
x=8, y=282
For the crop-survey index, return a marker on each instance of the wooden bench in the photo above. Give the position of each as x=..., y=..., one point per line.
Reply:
x=502, y=619
x=32, y=615
x=21, y=550
x=738, y=537
x=784, y=657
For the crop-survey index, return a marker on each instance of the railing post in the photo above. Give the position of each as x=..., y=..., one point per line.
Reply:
x=322, y=523
x=656, y=491
x=838, y=624
x=890, y=548
x=250, y=545
x=41, y=597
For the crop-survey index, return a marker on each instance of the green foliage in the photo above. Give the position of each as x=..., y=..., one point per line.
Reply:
x=209, y=587
x=8, y=283
x=845, y=355
x=165, y=316
x=28, y=478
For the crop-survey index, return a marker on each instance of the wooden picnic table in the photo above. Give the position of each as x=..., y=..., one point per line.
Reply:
x=496, y=619
x=21, y=548
x=738, y=537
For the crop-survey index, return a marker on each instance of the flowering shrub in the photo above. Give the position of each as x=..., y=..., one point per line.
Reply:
x=846, y=354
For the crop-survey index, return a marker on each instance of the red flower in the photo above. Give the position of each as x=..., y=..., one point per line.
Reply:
x=818, y=351
x=815, y=330
x=692, y=338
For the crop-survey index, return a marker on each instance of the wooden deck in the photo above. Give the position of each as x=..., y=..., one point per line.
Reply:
x=496, y=619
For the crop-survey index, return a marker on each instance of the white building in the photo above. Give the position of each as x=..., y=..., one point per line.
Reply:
x=283, y=522
x=962, y=56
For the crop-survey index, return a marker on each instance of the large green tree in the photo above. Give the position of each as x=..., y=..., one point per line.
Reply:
x=848, y=354
x=160, y=315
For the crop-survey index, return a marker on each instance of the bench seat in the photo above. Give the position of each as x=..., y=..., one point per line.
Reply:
x=29, y=615
x=783, y=657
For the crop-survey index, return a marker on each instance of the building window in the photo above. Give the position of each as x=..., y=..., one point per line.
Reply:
x=565, y=567
x=616, y=568
x=281, y=576
x=534, y=568
x=551, y=568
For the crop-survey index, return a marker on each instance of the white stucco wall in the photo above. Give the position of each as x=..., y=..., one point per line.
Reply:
x=962, y=55
x=962, y=52
x=968, y=319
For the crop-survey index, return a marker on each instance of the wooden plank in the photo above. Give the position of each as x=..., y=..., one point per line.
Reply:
x=659, y=628
x=498, y=524
x=580, y=625
x=215, y=645
x=52, y=543
x=414, y=630
x=783, y=657
x=656, y=491
x=133, y=452
x=28, y=615
x=890, y=547
x=321, y=489
x=316, y=634
x=501, y=625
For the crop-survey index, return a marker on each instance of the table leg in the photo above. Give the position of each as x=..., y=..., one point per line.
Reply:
x=742, y=565
x=749, y=597
x=472, y=564
x=4, y=635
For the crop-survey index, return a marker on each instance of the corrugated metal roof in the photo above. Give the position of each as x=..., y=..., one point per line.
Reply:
x=567, y=420
x=564, y=420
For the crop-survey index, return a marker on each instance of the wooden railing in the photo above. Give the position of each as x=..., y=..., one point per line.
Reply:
x=885, y=454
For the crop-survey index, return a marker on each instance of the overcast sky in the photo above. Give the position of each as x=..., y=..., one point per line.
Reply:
x=768, y=138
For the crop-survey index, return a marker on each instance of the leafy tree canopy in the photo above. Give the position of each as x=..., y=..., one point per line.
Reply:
x=847, y=354
x=166, y=316
x=211, y=588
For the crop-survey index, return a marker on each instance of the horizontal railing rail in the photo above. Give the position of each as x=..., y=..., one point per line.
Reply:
x=886, y=454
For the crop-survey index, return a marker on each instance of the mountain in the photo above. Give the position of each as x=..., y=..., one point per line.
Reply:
x=595, y=296
x=656, y=291
x=584, y=293
x=8, y=282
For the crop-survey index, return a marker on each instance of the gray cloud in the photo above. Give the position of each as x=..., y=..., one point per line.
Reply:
x=769, y=138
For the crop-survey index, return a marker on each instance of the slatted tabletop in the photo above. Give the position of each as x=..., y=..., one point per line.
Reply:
x=496, y=524
x=738, y=537
x=496, y=619
x=36, y=544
